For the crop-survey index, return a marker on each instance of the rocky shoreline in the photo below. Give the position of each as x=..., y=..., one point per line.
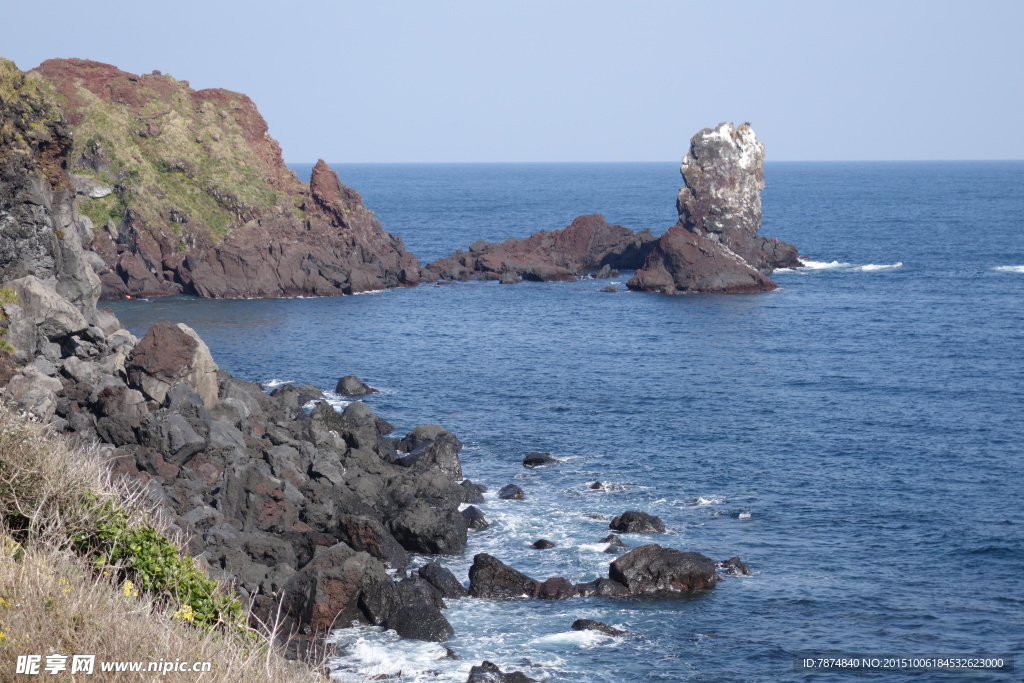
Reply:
x=185, y=192
x=310, y=514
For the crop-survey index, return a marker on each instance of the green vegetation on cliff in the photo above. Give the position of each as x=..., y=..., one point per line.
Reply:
x=28, y=116
x=87, y=567
x=174, y=155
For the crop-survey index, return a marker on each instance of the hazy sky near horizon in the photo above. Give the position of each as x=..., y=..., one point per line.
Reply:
x=565, y=80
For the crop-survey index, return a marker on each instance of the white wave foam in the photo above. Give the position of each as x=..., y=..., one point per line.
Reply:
x=821, y=265
x=275, y=383
x=372, y=291
x=336, y=401
x=810, y=264
x=744, y=515
x=594, y=547
x=1009, y=269
x=387, y=655
x=710, y=500
x=581, y=639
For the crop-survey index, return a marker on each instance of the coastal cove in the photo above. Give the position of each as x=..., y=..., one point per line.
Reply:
x=864, y=416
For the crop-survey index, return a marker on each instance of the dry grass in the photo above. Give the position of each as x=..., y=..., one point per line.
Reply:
x=53, y=601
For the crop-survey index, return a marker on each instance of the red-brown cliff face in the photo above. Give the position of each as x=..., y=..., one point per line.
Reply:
x=188, y=193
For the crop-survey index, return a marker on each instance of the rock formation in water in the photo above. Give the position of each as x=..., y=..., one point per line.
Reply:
x=589, y=243
x=184, y=191
x=715, y=246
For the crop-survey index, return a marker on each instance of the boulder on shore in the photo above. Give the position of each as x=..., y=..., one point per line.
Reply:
x=533, y=460
x=170, y=354
x=637, y=523
x=489, y=577
x=350, y=385
x=653, y=569
x=511, y=492
x=591, y=625
x=490, y=673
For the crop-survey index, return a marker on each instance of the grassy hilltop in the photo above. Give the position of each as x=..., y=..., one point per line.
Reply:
x=173, y=154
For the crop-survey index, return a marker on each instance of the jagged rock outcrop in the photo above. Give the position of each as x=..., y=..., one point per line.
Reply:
x=170, y=354
x=588, y=243
x=200, y=199
x=40, y=229
x=721, y=200
x=715, y=246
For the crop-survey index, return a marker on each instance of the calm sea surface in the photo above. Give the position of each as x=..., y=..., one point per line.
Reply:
x=856, y=437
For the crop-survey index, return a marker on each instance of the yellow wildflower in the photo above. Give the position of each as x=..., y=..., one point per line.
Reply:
x=65, y=585
x=186, y=612
x=129, y=589
x=3, y=637
x=3, y=602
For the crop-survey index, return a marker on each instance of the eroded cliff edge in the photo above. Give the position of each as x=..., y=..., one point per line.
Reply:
x=185, y=192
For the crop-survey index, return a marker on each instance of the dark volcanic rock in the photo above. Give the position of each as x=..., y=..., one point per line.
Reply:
x=296, y=396
x=685, y=262
x=539, y=459
x=432, y=448
x=443, y=580
x=338, y=587
x=555, y=589
x=170, y=354
x=350, y=385
x=589, y=243
x=605, y=588
x=653, y=569
x=591, y=625
x=341, y=586
x=613, y=540
x=637, y=523
x=421, y=528
x=492, y=578
x=472, y=493
x=543, y=544
x=415, y=616
x=475, y=518
x=734, y=566
x=39, y=221
x=511, y=492
x=369, y=536
x=490, y=673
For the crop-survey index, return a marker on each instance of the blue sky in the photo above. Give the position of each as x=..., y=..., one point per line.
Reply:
x=575, y=81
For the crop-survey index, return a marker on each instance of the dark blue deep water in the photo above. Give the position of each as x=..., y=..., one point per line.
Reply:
x=856, y=437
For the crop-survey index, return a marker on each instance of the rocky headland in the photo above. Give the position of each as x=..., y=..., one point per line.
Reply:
x=309, y=513
x=185, y=192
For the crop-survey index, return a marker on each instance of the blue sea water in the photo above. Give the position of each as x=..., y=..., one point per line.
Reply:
x=856, y=436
